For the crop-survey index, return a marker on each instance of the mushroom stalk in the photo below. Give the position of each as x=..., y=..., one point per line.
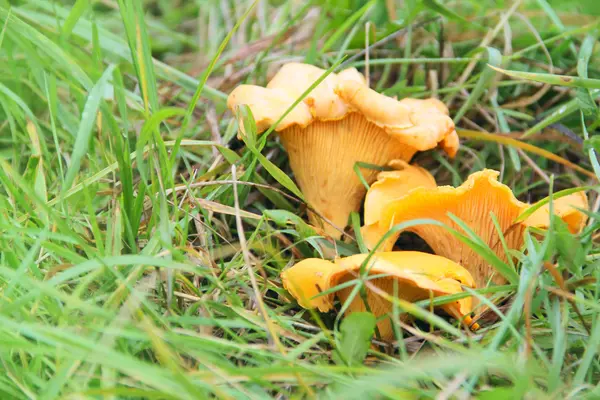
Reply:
x=323, y=156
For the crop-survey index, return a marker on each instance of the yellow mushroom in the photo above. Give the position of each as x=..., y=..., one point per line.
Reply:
x=391, y=185
x=473, y=202
x=341, y=122
x=418, y=275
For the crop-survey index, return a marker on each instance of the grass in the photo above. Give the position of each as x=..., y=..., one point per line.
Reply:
x=141, y=242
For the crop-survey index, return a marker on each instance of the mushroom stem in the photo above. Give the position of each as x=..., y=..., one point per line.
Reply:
x=322, y=157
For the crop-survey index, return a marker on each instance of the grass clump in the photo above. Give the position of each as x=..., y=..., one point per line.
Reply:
x=141, y=242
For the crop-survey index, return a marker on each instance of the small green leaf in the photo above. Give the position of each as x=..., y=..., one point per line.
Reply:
x=586, y=102
x=356, y=332
x=37, y=168
x=230, y=156
x=30, y=173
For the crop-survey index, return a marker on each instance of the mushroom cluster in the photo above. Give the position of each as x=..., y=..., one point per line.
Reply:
x=341, y=122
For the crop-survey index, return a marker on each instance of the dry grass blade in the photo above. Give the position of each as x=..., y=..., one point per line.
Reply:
x=273, y=338
x=561, y=283
x=272, y=331
x=490, y=137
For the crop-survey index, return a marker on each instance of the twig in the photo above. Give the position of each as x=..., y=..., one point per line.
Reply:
x=534, y=166
x=213, y=124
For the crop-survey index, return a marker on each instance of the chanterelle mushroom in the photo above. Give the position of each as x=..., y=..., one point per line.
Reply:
x=417, y=276
x=391, y=185
x=473, y=202
x=339, y=123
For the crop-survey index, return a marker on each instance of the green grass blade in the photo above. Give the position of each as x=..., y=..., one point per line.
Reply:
x=76, y=12
x=88, y=118
x=557, y=80
x=200, y=88
x=494, y=59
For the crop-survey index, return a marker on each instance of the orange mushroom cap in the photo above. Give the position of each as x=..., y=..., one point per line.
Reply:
x=391, y=185
x=418, y=276
x=473, y=202
x=420, y=124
